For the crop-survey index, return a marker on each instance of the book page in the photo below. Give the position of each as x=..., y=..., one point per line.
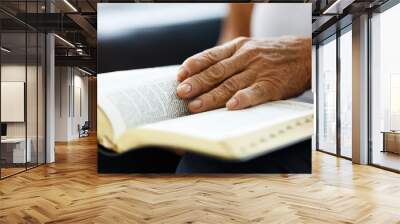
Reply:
x=135, y=97
x=222, y=124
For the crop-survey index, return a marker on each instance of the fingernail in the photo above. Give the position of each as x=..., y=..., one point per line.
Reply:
x=232, y=103
x=184, y=89
x=182, y=73
x=196, y=104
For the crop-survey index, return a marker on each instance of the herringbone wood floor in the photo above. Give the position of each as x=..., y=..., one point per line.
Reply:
x=70, y=191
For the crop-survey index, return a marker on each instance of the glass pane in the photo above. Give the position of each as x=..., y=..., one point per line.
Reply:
x=386, y=89
x=32, y=98
x=41, y=98
x=327, y=96
x=32, y=85
x=13, y=87
x=346, y=94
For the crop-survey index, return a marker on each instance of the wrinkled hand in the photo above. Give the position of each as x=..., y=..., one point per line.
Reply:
x=246, y=72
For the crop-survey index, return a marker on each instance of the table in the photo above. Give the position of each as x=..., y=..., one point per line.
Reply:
x=17, y=147
x=391, y=141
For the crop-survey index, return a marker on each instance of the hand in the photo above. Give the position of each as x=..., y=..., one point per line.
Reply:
x=246, y=72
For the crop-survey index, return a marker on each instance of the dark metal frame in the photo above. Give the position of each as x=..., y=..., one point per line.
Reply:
x=44, y=71
x=340, y=30
x=338, y=98
x=369, y=55
x=332, y=37
x=316, y=97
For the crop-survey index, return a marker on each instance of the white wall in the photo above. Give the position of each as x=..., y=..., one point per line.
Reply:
x=82, y=83
x=71, y=102
x=62, y=81
x=34, y=126
x=15, y=72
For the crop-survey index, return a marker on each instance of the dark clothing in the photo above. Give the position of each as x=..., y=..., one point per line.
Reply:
x=293, y=159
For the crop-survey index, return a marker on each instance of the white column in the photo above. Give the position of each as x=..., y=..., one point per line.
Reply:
x=360, y=90
x=50, y=92
x=50, y=99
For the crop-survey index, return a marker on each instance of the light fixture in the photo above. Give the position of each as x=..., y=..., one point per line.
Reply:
x=5, y=50
x=79, y=51
x=65, y=41
x=84, y=71
x=70, y=5
x=337, y=7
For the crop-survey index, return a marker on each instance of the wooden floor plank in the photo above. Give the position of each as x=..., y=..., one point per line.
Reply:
x=71, y=191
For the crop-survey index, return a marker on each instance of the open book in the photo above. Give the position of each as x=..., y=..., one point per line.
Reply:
x=139, y=108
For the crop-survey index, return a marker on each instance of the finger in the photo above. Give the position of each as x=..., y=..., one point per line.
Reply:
x=257, y=93
x=205, y=59
x=217, y=97
x=212, y=76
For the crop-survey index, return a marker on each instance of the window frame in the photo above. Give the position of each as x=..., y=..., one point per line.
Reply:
x=28, y=29
x=333, y=37
x=378, y=10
